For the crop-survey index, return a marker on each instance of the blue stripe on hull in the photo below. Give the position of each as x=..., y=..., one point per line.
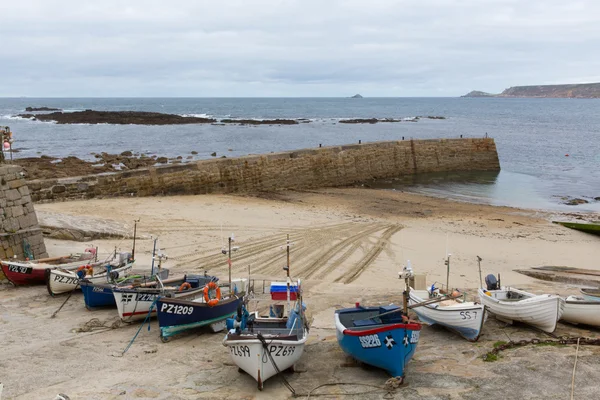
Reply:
x=175, y=317
x=392, y=357
x=97, y=296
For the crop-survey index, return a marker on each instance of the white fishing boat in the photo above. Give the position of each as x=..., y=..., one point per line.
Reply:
x=62, y=280
x=464, y=318
x=266, y=346
x=509, y=304
x=591, y=294
x=579, y=310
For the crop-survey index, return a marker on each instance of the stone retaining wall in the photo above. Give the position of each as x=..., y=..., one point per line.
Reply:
x=18, y=221
x=308, y=168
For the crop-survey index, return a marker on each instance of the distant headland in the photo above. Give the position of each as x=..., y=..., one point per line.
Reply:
x=572, y=91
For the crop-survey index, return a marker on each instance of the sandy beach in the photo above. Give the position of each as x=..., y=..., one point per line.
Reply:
x=348, y=246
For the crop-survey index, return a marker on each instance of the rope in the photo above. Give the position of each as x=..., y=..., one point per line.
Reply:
x=65, y=302
x=574, y=366
x=141, y=326
x=95, y=323
x=266, y=347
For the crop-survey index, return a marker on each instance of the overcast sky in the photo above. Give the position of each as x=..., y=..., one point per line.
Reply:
x=294, y=47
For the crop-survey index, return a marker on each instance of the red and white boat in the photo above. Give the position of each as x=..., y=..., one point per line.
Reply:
x=34, y=271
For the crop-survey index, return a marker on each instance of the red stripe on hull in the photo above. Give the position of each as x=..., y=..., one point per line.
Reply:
x=410, y=327
x=37, y=276
x=137, y=313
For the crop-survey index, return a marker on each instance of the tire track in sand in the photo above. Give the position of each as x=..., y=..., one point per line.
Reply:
x=363, y=264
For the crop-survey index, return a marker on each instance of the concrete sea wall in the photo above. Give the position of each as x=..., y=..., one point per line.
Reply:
x=300, y=169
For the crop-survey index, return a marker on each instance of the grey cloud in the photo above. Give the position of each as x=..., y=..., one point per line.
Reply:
x=294, y=47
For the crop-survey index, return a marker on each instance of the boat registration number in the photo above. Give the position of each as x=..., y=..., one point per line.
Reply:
x=468, y=314
x=369, y=341
x=176, y=309
x=414, y=337
x=278, y=351
x=19, y=269
x=97, y=289
x=240, y=351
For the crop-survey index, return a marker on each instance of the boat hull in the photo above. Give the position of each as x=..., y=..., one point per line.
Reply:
x=580, y=311
x=251, y=356
x=541, y=311
x=591, y=294
x=466, y=319
x=97, y=295
x=389, y=347
x=62, y=281
x=178, y=315
x=19, y=274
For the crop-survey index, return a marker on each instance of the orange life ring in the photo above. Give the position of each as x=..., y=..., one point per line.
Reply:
x=185, y=286
x=212, y=286
x=89, y=268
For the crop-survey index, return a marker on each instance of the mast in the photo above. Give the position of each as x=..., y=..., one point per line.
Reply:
x=479, y=259
x=447, y=262
x=287, y=268
x=135, y=221
x=229, y=260
x=153, y=254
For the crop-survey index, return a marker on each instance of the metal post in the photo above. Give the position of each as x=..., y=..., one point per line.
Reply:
x=288, y=271
x=229, y=262
x=447, y=262
x=135, y=221
x=406, y=296
x=153, y=254
x=479, y=264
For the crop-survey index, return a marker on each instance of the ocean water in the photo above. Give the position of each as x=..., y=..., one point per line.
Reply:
x=548, y=148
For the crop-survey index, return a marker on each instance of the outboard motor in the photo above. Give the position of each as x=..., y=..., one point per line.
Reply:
x=491, y=282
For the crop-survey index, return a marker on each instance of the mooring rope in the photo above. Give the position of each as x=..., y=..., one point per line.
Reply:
x=141, y=326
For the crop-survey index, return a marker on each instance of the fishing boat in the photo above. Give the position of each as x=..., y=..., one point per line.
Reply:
x=61, y=280
x=591, y=294
x=509, y=304
x=579, y=310
x=100, y=294
x=263, y=346
x=381, y=336
x=592, y=228
x=34, y=271
x=378, y=336
x=198, y=309
x=464, y=318
x=97, y=295
x=139, y=301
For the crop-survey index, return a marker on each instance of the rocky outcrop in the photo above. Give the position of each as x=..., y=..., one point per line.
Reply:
x=356, y=96
x=30, y=109
x=117, y=117
x=571, y=91
x=260, y=121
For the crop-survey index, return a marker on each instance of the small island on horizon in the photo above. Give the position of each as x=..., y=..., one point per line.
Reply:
x=568, y=91
x=356, y=96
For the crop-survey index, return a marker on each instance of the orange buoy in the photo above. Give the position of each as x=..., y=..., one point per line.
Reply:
x=185, y=286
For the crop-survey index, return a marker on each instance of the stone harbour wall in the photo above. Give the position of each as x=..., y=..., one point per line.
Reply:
x=18, y=221
x=300, y=169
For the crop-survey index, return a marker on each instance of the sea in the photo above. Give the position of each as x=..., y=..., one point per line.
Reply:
x=549, y=149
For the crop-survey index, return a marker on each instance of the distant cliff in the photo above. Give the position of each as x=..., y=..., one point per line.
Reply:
x=575, y=91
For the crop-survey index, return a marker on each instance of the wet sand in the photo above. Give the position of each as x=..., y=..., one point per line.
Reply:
x=348, y=246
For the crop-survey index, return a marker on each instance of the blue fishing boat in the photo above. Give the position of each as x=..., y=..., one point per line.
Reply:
x=179, y=314
x=97, y=295
x=378, y=336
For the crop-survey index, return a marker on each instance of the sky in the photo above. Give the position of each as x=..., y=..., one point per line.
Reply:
x=293, y=48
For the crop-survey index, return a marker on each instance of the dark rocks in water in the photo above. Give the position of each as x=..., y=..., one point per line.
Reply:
x=356, y=96
x=575, y=202
x=597, y=198
x=42, y=109
x=162, y=160
x=126, y=153
x=260, y=121
x=434, y=117
x=368, y=120
x=118, y=117
x=214, y=154
x=194, y=152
